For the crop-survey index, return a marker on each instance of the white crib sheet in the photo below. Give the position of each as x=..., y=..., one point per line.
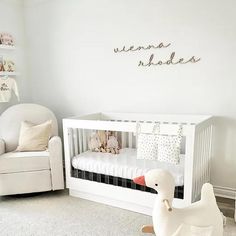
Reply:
x=125, y=165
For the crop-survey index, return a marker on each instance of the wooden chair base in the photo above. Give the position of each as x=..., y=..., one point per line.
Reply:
x=148, y=229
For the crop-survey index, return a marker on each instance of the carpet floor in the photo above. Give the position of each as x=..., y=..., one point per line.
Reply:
x=56, y=213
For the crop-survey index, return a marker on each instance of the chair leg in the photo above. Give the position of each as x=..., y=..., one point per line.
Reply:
x=148, y=229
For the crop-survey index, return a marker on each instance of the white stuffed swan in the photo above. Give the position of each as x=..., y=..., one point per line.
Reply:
x=203, y=214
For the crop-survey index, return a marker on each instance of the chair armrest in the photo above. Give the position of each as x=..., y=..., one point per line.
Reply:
x=56, y=162
x=2, y=146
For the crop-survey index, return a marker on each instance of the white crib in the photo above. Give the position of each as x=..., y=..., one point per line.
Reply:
x=197, y=132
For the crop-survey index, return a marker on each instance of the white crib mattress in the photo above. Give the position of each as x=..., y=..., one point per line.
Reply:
x=125, y=165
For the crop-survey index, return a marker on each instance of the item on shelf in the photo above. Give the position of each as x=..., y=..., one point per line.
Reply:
x=6, y=39
x=104, y=141
x=7, y=85
x=1, y=64
x=9, y=65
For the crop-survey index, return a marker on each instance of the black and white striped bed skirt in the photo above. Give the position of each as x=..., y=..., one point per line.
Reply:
x=121, y=182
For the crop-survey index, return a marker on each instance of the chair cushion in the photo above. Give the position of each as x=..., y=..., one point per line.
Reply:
x=13, y=162
x=34, y=137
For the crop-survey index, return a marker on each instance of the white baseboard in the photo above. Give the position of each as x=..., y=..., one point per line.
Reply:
x=112, y=202
x=225, y=192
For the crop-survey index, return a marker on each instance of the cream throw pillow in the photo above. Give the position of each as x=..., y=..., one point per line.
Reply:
x=34, y=137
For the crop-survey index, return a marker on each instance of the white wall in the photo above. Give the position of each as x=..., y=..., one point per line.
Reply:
x=74, y=69
x=12, y=21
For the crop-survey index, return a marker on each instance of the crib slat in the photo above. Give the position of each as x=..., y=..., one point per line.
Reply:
x=201, y=160
x=197, y=154
x=207, y=154
x=209, y=151
x=204, y=157
x=197, y=164
x=124, y=183
x=106, y=179
x=83, y=175
x=99, y=178
x=115, y=181
x=133, y=185
x=203, y=179
x=206, y=177
x=84, y=140
x=75, y=141
x=123, y=139
x=70, y=133
x=130, y=140
x=80, y=141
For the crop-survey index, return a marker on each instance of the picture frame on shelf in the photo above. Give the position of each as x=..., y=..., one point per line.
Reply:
x=5, y=73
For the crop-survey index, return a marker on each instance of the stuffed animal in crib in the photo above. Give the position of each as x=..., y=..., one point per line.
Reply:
x=104, y=141
x=168, y=221
x=112, y=145
x=94, y=142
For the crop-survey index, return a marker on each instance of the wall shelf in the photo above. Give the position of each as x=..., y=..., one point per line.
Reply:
x=2, y=73
x=6, y=47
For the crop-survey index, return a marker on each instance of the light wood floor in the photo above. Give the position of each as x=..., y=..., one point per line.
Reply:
x=227, y=206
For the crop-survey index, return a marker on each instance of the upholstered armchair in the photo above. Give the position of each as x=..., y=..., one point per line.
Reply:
x=27, y=172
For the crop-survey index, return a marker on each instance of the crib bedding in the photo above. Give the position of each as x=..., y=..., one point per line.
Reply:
x=125, y=165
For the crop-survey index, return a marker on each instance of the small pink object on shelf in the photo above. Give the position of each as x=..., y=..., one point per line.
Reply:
x=6, y=39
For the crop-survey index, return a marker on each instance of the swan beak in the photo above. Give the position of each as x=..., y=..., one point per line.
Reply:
x=140, y=180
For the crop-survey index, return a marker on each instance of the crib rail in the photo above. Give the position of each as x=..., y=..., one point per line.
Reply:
x=145, y=117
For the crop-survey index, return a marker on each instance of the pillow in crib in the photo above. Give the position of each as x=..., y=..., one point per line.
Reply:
x=169, y=147
x=147, y=147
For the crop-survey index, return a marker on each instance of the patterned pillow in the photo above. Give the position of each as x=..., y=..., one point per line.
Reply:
x=147, y=146
x=169, y=149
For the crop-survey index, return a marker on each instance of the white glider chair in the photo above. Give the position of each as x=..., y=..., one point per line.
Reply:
x=28, y=172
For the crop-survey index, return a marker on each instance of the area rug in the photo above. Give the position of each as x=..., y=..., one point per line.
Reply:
x=56, y=213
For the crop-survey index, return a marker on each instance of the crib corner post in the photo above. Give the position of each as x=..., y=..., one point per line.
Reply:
x=189, y=162
x=66, y=139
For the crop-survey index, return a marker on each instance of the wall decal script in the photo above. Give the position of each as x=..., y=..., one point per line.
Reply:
x=172, y=60
x=133, y=48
